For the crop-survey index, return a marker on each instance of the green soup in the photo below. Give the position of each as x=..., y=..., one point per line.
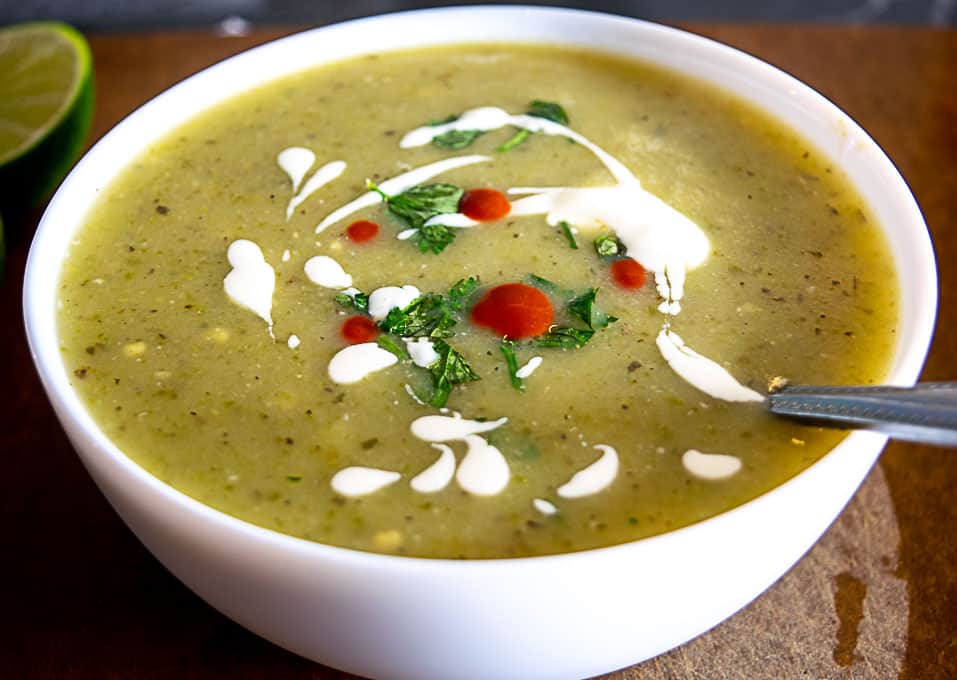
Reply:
x=780, y=271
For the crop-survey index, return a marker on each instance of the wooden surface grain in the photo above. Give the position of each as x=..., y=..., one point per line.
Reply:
x=877, y=597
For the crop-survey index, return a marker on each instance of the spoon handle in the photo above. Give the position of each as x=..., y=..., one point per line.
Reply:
x=924, y=413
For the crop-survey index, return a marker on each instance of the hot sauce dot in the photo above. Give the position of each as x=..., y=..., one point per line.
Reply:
x=514, y=310
x=484, y=205
x=358, y=329
x=627, y=273
x=362, y=231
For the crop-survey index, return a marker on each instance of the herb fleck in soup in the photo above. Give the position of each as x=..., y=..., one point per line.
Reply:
x=483, y=301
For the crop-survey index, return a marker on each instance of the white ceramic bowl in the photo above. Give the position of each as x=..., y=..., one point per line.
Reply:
x=569, y=615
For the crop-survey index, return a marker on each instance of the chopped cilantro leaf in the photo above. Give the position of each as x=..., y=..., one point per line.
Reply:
x=372, y=186
x=451, y=365
x=426, y=316
x=508, y=351
x=430, y=315
x=451, y=369
x=294, y=478
x=418, y=204
x=609, y=246
x=514, y=140
x=460, y=292
x=440, y=395
x=567, y=231
x=433, y=238
x=388, y=343
x=583, y=307
x=566, y=338
x=549, y=110
x=456, y=139
x=359, y=301
x=433, y=316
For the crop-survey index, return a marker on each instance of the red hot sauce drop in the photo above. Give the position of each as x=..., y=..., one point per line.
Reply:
x=627, y=273
x=514, y=310
x=358, y=329
x=484, y=205
x=362, y=231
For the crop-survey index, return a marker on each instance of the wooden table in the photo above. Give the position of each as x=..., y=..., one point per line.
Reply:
x=877, y=597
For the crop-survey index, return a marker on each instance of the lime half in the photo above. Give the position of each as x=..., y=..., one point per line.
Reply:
x=46, y=104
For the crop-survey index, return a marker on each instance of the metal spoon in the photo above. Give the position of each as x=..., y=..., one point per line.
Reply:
x=924, y=413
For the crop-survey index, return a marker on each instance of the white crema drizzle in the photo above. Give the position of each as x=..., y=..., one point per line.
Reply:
x=438, y=475
x=483, y=471
x=528, y=368
x=544, y=507
x=295, y=162
x=384, y=300
x=711, y=466
x=252, y=280
x=324, y=271
x=593, y=478
x=701, y=372
x=422, y=352
x=360, y=481
x=353, y=363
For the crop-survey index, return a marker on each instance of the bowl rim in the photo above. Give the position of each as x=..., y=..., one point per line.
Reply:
x=43, y=338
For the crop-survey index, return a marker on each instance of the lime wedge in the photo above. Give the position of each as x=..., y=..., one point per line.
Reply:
x=46, y=104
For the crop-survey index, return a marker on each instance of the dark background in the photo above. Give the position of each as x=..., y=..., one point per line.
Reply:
x=239, y=15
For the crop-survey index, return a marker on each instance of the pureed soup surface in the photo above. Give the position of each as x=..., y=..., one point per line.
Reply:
x=655, y=251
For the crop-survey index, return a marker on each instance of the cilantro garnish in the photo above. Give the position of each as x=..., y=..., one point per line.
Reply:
x=540, y=109
x=433, y=316
x=565, y=337
x=434, y=238
x=567, y=231
x=451, y=369
x=417, y=205
x=430, y=315
x=359, y=301
x=508, y=351
x=426, y=316
x=583, y=307
x=456, y=139
x=461, y=291
x=459, y=139
x=514, y=141
x=609, y=246
x=548, y=110
x=388, y=343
